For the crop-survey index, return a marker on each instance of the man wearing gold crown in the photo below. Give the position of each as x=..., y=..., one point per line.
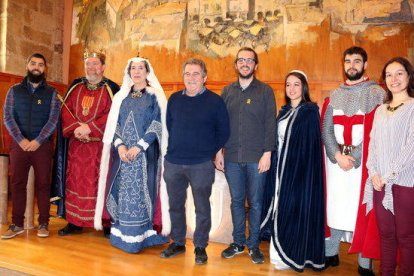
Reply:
x=83, y=118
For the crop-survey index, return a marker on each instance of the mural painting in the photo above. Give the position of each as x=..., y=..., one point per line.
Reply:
x=219, y=27
x=287, y=34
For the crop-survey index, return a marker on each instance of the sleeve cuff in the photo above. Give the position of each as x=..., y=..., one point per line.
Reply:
x=391, y=178
x=118, y=142
x=371, y=172
x=357, y=162
x=142, y=144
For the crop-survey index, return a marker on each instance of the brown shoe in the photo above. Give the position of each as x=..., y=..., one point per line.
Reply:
x=42, y=231
x=12, y=232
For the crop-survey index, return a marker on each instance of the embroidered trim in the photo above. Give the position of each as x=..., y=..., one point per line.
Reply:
x=79, y=217
x=76, y=207
x=100, y=131
x=81, y=197
x=69, y=126
x=132, y=239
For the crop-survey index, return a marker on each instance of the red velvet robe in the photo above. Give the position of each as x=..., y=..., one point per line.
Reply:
x=90, y=107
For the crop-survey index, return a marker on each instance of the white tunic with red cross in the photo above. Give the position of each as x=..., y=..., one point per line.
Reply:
x=343, y=187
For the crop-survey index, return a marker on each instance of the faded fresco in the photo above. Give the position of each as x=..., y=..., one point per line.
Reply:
x=217, y=28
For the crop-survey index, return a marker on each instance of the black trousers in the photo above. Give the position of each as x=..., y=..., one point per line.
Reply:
x=200, y=177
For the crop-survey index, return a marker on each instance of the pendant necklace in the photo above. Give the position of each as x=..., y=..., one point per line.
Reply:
x=392, y=109
x=91, y=86
x=136, y=94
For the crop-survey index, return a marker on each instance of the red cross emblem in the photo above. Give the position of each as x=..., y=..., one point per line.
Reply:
x=348, y=123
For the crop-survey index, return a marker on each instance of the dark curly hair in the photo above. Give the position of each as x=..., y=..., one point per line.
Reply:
x=408, y=68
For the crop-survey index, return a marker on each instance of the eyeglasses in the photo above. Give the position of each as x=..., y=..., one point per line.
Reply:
x=246, y=60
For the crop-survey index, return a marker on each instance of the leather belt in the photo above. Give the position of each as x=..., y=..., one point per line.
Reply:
x=346, y=149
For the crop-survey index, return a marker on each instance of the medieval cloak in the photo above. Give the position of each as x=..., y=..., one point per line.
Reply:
x=298, y=209
x=61, y=150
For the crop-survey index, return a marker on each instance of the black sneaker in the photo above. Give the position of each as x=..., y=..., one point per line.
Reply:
x=365, y=271
x=331, y=261
x=107, y=232
x=70, y=229
x=233, y=250
x=256, y=255
x=200, y=255
x=172, y=250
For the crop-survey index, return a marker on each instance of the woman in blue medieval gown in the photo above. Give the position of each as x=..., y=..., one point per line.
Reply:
x=136, y=195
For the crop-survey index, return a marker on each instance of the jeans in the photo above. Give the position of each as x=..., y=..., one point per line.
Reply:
x=244, y=181
x=200, y=177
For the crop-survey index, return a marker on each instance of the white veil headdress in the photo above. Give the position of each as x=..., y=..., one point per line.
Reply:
x=153, y=88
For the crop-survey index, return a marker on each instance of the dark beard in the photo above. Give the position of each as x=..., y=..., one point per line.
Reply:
x=33, y=78
x=355, y=77
x=248, y=76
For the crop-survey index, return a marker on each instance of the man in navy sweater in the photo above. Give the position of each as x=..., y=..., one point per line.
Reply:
x=198, y=127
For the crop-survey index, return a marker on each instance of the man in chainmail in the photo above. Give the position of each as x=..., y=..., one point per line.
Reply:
x=347, y=121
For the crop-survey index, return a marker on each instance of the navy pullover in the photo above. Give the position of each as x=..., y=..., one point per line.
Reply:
x=197, y=127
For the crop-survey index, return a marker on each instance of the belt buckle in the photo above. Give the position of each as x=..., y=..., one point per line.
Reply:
x=346, y=150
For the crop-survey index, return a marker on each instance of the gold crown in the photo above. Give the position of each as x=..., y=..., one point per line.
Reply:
x=97, y=54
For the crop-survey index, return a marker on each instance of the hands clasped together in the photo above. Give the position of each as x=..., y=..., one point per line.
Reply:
x=82, y=132
x=27, y=145
x=345, y=162
x=128, y=155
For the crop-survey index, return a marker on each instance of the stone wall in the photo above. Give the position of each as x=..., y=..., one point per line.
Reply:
x=34, y=26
